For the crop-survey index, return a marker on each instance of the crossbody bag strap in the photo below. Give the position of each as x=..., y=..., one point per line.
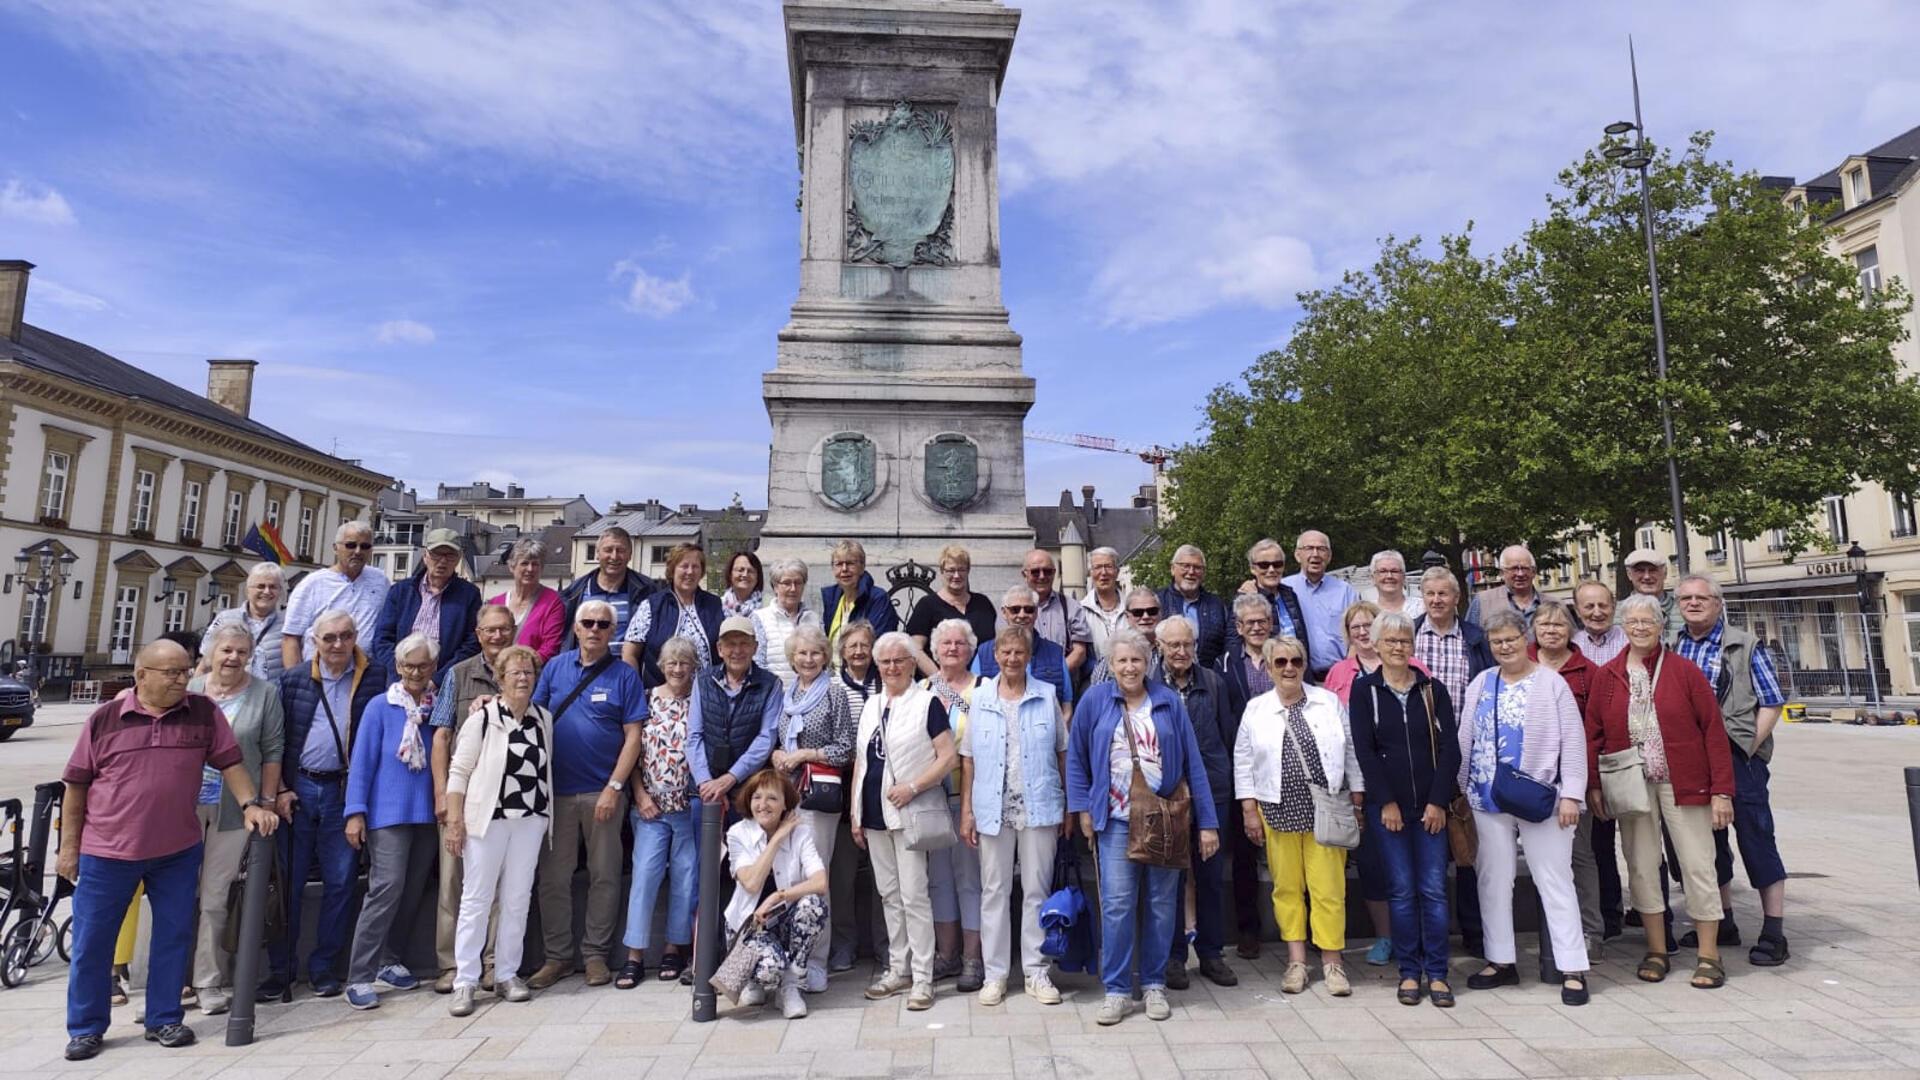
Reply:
x=1433, y=733
x=593, y=672
x=333, y=722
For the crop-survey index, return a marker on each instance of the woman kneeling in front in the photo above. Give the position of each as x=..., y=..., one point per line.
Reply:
x=774, y=839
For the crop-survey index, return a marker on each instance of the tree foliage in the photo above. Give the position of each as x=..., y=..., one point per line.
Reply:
x=1475, y=401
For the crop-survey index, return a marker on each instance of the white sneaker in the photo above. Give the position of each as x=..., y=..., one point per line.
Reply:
x=888, y=984
x=214, y=1001
x=993, y=991
x=1041, y=989
x=462, y=1002
x=816, y=980
x=753, y=994
x=1114, y=1009
x=1157, y=1007
x=515, y=989
x=792, y=1005
x=920, y=998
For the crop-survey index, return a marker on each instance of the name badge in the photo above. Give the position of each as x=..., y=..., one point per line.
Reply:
x=598, y=697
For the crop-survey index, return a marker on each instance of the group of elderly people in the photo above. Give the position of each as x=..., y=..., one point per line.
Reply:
x=1178, y=735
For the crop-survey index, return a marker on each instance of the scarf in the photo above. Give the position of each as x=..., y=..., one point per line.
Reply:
x=412, y=752
x=1643, y=721
x=799, y=704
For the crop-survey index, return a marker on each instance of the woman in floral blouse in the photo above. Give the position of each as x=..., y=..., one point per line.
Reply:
x=666, y=822
x=816, y=736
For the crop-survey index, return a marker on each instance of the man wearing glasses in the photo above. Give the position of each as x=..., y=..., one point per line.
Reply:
x=128, y=818
x=349, y=585
x=1516, y=589
x=1188, y=596
x=1324, y=599
x=1019, y=607
x=1143, y=614
x=1059, y=618
x=322, y=701
x=435, y=601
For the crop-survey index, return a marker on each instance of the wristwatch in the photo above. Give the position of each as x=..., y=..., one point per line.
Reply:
x=261, y=801
x=617, y=785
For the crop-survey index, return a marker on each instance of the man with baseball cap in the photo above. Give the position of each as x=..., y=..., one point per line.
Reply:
x=730, y=735
x=1647, y=571
x=435, y=601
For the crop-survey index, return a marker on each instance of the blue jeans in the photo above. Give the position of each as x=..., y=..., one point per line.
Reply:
x=666, y=847
x=317, y=832
x=1415, y=863
x=1209, y=893
x=1120, y=894
x=100, y=902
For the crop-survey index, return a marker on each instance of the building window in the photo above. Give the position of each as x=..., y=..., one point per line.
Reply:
x=177, y=609
x=1904, y=521
x=1827, y=626
x=190, y=511
x=236, y=510
x=1646, y=536
x=126, y=606
x=144, y=483
x=273, y=512
x=660, y=553
x=1866, y=267
x=1717, y=554
x=1777, y=540
x=1910, y=609
x=379, y=561
x=53, y=486
x=33, y=617
x=304, y=549
x=401, y=563
x=1857, y=184
x=1836, y=508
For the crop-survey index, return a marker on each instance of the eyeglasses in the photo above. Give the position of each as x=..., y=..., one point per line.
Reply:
x=1641, y=624
x=334, y=639
x=1020, y=609
x=596, y=624
x=1256, y=624
x=1316, y=547
x=518, y=673
x=1142, y=612
x=1191, y=567
x=171, y=674
x=1395, y=642
x=414, y=667
x=1287, y=662
x=356, y=545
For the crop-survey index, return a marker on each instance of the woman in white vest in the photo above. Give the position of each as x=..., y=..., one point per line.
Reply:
x=904, y=748
x=1014, y=796
x=500, y=785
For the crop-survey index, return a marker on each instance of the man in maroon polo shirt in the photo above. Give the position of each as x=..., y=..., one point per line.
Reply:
x=132, y=784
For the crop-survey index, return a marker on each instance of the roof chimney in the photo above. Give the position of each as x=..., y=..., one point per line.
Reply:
x=1088, y=504
x=13, y=296
x=230, y=384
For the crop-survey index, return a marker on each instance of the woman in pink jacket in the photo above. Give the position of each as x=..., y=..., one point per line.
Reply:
x=537, y=609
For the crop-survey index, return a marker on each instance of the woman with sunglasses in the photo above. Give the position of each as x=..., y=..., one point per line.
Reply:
x=1522, y=716
x=1292, y=740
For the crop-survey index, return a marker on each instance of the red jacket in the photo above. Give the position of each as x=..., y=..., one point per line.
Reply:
x=1698, y=760
x=1579, y=672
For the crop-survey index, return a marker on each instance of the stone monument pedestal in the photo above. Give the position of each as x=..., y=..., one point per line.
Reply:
x=898, y=398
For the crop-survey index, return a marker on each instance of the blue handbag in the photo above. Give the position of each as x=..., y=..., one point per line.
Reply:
x=1514, y=792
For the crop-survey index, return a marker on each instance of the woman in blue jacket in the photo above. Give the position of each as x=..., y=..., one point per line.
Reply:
x=1126, y=727
x=389, y=812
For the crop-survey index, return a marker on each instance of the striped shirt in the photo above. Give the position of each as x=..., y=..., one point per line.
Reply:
x=1445, y=656
x=1600, y=649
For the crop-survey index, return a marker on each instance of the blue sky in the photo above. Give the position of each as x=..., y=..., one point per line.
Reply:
x=552, y=243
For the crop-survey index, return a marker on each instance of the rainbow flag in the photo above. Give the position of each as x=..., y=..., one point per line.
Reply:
x=264, y=540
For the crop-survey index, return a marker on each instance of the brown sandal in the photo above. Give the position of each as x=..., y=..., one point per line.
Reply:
x=1653, y=968
x=1711, y=971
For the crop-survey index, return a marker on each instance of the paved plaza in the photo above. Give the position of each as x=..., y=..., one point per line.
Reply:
x=1847, y=1004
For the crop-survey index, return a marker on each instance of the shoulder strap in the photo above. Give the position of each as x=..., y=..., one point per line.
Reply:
x=1433, y=737
x=333, y=722
x=586, y=679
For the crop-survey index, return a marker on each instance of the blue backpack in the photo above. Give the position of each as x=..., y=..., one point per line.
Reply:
x=1067, y=918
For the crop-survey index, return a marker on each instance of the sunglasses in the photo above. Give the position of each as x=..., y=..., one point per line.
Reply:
x=1270, y=564
x=1040, y=573
x=355, y=545
x=1287, y=662
x=1142, y=612
x=1021, y=609
x=596, y=624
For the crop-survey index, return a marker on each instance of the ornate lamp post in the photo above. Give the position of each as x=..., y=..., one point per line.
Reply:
x=1857, y=560
x=40, y=573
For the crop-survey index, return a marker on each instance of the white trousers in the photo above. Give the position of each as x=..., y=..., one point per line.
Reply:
x=1035, y=850
x=1549, y=851
x=826, y=827
x=900, y=876
x=502, y=862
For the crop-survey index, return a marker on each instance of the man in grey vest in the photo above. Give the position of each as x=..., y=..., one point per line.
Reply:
x=1743, y=679
x=463, y=684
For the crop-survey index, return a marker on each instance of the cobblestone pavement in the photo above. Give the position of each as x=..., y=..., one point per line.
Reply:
x=1848, y=1002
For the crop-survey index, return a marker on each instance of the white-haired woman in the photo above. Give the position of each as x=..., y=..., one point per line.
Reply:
x=773, y=622
x=537, y=609
x=260, y=617
x=666, y=823
x=1389, y=589
x=904, y=747
x=953, y=874
x=252, y=708
x=389, y=813
x=813, y=749
x=1292, y=742
x=1521, y=736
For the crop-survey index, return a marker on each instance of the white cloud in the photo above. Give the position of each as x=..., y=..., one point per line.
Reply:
x=34, y=205
x=403, y=332
x=656, y=297
x=46, y=290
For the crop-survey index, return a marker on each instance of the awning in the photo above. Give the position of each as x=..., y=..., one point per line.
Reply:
x=1850, y=583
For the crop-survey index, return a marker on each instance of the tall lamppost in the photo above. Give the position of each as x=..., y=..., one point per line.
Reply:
x=1857, y=561
x=40, y=574
x=1640, y=156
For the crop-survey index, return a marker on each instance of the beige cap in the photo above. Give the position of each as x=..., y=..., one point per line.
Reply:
x=441, y=538
x=737, y=624
x=1643, y=556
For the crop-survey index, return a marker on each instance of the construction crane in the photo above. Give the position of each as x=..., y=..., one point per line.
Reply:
x=1155, y=455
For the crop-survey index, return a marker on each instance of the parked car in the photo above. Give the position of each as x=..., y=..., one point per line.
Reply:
x=17, y=702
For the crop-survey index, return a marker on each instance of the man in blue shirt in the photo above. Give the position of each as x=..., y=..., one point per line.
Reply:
x=1324, y=601
x=1020, y=605
x=598, y=708
x=1189, y=597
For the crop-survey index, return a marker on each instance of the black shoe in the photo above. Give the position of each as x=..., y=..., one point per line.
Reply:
x=1501, y=975
x=1177, y=977
x=1249, y=947
x=1768, y=952
x=1729, y=934
x=83, y=1047
x=171, y=1036
x=1574, y=995
x=271, y=989
x=1216, y=971
x=1611, y=927
x=327, y=987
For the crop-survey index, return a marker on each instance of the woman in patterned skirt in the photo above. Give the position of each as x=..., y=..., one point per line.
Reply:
x=666, y=823
x=1293, y=739
x=815, y=736
x=501, y=781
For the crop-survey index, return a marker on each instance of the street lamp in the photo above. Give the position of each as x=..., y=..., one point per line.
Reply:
x=1639, y=156
x=1857, y=562
x=40, y=573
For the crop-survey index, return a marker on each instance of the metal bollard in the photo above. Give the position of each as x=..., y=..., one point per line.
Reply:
x=706, y=934
x=253, y=932
x=1913, y=811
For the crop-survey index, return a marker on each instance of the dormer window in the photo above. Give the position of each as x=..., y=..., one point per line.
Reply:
x=1857, y=191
